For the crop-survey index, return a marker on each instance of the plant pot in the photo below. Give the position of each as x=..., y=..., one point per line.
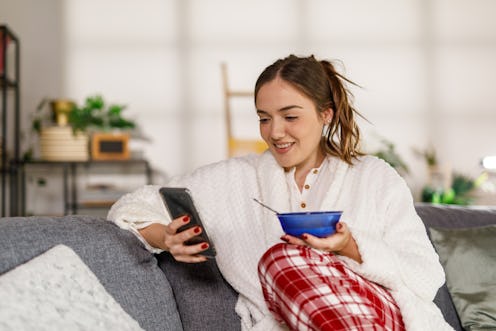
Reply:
x=58, y=143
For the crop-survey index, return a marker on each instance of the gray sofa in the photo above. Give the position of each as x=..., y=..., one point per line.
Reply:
x=159, y=293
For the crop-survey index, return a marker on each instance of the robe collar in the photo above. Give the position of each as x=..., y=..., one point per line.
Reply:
x=274, y=192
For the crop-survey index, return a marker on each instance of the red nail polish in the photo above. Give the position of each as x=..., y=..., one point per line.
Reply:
x=283, y=238
x=339, y=226
x=204, y=246
x=186, y=219
x=197, y=229
x=304, y=237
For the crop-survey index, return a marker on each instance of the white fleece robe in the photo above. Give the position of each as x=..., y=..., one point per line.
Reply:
x=377, y=206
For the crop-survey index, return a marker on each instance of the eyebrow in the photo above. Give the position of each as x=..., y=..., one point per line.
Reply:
x=283, y=109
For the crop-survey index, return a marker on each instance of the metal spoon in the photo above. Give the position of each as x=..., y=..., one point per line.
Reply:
x=264, y=205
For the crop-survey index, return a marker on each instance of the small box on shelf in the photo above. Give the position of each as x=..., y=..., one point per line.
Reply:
x=110, y=146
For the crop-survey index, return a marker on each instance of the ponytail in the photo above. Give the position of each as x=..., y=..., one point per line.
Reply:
x=342, y=137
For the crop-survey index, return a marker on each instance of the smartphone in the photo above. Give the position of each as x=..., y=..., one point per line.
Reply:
x=179, y=202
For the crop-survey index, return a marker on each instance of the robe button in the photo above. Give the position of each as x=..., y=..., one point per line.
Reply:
x=303, y=205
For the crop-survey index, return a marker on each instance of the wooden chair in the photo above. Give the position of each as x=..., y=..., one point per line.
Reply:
x=237, y=146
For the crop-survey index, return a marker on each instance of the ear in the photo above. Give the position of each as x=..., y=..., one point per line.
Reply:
x=327, y=115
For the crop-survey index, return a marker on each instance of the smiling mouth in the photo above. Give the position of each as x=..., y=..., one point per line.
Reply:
x=283, y=147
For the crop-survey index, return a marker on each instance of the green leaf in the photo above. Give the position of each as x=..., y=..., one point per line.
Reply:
x=37, y=125
x=462, y=184
x=94, y=114
x=389, y=154
x=95, y=102
x=115, y=110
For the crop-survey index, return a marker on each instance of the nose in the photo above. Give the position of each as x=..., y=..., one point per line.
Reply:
x=277, y=130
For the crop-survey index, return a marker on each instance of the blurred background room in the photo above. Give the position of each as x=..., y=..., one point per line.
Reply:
x=427, y=71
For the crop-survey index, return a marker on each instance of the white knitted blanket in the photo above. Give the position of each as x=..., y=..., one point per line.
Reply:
x=377, y=206
x=57, y=291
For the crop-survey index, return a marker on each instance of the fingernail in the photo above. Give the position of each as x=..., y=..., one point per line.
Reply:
x=197, y=229
x=283, y=238
x=339, y=226
x=204, y=246
x=186, y=219
x=304, y=237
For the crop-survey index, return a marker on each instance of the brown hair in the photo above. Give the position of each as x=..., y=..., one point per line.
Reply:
x=320, y=81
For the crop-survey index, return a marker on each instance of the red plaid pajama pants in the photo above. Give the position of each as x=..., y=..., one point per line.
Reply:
x=312, y=290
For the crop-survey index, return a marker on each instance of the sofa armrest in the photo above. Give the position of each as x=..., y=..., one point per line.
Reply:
x=448, y=216
x=451, y=216
x=127, y=271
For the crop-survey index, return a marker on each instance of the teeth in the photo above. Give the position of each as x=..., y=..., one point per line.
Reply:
x=283, y=145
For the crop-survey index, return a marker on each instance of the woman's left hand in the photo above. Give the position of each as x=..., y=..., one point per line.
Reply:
x=341, y=242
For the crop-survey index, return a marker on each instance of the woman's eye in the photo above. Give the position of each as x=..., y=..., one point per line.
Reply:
x=263, y=120
x=291, y=118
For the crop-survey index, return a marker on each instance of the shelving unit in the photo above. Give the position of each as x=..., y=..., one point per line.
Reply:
x=72, y=203
x=10, y=86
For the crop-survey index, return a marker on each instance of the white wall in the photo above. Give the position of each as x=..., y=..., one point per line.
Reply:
x=427, y=67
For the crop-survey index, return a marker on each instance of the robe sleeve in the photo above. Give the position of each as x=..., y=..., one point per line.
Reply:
x=396, y=250
x=138, y=210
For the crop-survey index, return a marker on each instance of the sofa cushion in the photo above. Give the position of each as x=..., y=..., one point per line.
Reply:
x=57, y=291
x=126, y=270
x=204, y=299
x=450, y=216
x=468, y=256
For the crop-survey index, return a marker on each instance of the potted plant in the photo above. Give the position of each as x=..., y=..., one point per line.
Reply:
x=93, y=120
x=94, y=114
x=107, y=126
x=389, y=154
x=51, y=132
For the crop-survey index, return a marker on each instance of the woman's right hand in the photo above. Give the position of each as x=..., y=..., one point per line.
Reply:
x=167, y=238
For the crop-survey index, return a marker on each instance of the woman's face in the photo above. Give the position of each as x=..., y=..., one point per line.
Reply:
x=291, y=125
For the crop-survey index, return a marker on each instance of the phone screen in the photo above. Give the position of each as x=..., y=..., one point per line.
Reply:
x=178, y=202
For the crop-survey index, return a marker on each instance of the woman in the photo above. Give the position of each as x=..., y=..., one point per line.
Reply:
x=378, y=271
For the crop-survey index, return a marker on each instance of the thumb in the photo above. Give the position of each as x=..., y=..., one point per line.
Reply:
x=341, y=227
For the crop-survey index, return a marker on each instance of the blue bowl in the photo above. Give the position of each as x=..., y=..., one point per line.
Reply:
x=317, y=223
